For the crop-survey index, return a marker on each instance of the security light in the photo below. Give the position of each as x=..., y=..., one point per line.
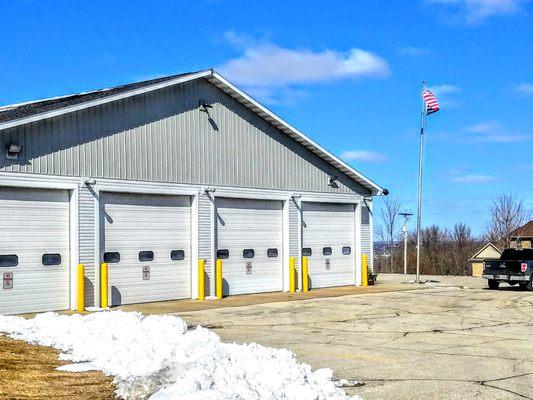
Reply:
x=210, y=190
x=333, y=182
x=13, y=151
x=90, y=181
x=204, y=105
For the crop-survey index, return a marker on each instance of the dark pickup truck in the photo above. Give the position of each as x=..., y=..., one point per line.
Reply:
x=515, y=266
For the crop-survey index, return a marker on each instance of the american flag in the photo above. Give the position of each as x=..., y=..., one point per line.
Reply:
x=430, y=100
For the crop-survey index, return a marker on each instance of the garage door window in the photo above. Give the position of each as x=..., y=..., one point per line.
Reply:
x=177, y=255
x=9, y=260
x=112, y=257
x=248, y=253
x=306, y=251
x=327, y=251
x=346, y=250
x=51, y=259
x=146, y=256
x=272, y=252
x=222, y=254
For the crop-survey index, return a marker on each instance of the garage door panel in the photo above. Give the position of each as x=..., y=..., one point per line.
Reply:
x=329, y=225
x=250, y=224
x=132, y=223
x=35, y=222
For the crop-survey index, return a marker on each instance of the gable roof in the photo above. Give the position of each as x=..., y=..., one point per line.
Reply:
x=19, y=114
x=478, y=255
x=16, y=112
x=525, y=231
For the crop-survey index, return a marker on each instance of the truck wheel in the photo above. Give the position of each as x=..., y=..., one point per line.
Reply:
x=530, y=285
x=493, y=284
x=523, y=285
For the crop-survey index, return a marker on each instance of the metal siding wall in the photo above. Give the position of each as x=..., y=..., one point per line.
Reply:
x=204, y=237
x=87, y=241
x=163, y=136
x=294, y=236
x=366, y=234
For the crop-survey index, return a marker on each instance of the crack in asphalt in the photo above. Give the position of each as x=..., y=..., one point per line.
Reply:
x=485, y=383
x=444, y=320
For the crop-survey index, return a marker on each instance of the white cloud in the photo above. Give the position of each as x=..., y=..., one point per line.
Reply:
x=414, y=51
x=482, y=132
x=267, y=65
x=477, y=11
x=474, y=179
x=363, y=155
x=444, y=94
x=485, y=127
x=444, y=89
x=523, y=88
x=284, y=95
x=494, y=132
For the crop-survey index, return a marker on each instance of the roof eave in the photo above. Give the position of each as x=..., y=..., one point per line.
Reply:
x=97, y=102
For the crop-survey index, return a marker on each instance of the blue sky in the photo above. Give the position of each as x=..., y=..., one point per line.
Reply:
x=347, y=73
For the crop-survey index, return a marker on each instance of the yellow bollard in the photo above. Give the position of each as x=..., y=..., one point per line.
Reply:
x=292, y=272
x=218, y=281
x=81, y=288
x=104, y=300
x=305, y=274
x=364, y=270
x=201, y=280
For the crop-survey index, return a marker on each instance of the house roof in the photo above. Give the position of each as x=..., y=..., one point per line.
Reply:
x=18, y=111
x=525, y=231
x=479, y=254
x=19, y=114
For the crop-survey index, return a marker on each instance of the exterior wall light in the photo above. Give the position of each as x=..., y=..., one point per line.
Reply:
x=13, y=151
x=333, y=182
x=204, y=106
x=89, y=182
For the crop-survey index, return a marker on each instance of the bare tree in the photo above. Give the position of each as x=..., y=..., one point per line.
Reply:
x=389, y=226
x=463, y=245
x=507, y=213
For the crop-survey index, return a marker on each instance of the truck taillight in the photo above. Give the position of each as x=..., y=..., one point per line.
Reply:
x=523, y=267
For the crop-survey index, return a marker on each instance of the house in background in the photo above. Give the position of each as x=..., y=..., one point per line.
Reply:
x=523, y=236
x=478, y=260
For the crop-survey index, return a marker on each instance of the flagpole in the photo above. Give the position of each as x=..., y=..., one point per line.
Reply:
x=420, y=163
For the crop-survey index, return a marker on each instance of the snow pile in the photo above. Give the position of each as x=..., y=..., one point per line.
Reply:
x=157, y=357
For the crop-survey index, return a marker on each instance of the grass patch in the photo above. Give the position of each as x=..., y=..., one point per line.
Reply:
x=29, y=372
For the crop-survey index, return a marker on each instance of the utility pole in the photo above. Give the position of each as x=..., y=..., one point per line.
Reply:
x=405, y=216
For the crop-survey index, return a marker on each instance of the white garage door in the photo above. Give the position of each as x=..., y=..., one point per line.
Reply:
x=34, y=250
x=250, y=242
x=328, y=240
x=146, y=239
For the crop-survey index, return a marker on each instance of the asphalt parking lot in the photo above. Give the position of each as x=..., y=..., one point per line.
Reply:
x=452, y=339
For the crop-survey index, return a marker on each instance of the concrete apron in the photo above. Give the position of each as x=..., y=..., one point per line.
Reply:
x=179, y=306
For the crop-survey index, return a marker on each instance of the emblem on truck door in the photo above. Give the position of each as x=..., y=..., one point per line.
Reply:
x=523, y=267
